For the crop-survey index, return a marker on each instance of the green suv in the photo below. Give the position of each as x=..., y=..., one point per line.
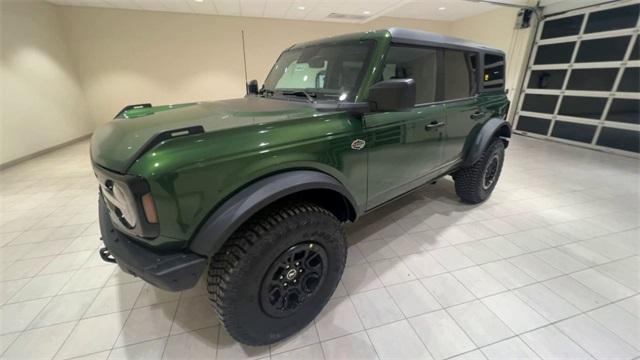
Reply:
x=254, y=191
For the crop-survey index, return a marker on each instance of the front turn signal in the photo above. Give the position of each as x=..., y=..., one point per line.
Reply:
x=149, y=209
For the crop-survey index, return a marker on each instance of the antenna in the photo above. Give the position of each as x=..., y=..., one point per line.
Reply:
x=244, y=58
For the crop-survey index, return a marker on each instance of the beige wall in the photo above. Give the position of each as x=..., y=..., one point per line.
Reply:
x=41, y=101
x=129, y=57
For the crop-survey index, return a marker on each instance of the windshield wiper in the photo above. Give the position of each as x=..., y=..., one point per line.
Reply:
x=309, y=95
x=266, y=92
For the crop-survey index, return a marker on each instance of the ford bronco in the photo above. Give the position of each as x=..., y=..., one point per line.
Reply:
x=253, y=190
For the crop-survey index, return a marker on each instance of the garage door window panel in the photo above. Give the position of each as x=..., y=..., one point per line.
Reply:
x=554, y=53
x=540, y=103
x=621, y=139
x=562, y=27
x=607, y=49
x=592, y=79
x=635, y=52
x=547, y=79
x=534, y=125
x=582, y=107
x=613, y=19
x=625, y=111
x=573, y=131
x=630, y=81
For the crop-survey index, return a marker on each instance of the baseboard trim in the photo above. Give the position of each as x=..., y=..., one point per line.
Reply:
x=17, y=161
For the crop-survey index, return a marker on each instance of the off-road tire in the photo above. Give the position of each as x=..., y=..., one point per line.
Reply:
x=470, y=182
x=237, y=272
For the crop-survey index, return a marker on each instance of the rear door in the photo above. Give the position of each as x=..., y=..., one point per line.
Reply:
x=405, y=146
x=464, y=109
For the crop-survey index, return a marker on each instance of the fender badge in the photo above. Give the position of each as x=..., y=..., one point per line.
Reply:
x=358, y=144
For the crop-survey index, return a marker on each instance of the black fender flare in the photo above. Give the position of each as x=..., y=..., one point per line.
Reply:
x=237, y=209
x=494, y=127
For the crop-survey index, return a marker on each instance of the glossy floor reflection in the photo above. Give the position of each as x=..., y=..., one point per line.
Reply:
x=549, y=267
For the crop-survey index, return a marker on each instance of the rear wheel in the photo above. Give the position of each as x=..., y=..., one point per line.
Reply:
x=277, y=272
x=474, y=184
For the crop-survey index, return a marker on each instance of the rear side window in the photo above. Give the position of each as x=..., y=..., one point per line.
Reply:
x=419, y=64
x=493, y=76
x=459, y=74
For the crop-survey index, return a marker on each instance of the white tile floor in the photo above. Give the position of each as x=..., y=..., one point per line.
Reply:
x=549, y=267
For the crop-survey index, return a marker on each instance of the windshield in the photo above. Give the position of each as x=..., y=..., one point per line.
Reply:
x=322, y=72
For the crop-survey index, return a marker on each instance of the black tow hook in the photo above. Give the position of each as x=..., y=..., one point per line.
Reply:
x=106, y=255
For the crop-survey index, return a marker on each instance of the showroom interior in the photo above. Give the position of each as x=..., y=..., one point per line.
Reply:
x=544, y=264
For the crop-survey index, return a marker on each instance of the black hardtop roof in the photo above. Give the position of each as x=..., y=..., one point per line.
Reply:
x=409, y=37
x=426, y=38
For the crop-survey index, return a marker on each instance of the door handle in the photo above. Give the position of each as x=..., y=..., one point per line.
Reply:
x=433, y=125
x=477, y=115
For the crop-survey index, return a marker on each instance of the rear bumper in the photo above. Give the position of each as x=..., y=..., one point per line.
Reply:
x=173, y=272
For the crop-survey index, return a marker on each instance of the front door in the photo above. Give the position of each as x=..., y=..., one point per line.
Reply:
x=404, y=147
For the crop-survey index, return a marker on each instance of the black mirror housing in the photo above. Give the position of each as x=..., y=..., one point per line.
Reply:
x=392, y=95
x=252, y=87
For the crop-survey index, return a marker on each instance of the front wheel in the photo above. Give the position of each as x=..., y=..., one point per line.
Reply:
x=277, y=272
x=474, y=184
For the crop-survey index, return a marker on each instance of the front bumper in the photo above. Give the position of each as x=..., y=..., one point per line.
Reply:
x=174, y=272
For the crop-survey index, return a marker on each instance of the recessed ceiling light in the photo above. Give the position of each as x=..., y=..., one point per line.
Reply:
x=366, y=12
x=442, y=8
x=198, y=0
x=301, y=7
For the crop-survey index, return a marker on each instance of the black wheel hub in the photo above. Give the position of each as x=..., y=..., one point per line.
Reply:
x=293, y=278
x=490, y=172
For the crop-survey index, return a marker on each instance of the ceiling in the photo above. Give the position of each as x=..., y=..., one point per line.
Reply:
x=358, y=11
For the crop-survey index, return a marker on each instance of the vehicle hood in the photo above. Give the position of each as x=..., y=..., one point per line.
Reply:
x=116, y=144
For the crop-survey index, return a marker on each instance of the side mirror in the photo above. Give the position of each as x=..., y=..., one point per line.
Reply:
x=392, y=95
x=252, y=87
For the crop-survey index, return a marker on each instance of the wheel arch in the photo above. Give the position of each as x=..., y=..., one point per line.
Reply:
x=494, y=127
x=308, y=185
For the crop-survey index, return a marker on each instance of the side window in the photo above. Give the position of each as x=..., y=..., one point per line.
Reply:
x=459, y=74
x=419, y=64
x=493, y=77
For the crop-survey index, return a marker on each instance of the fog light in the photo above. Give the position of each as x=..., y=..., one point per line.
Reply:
x=149, y=209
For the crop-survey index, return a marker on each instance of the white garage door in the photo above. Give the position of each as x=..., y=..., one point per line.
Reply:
x=583, y=81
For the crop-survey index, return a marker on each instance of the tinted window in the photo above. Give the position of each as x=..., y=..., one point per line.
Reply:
x=613, y=19
x=592, y=79
x=627, y=140
x=572, y=131
x=554, y=53
x=625, y=110
x=562, y=27
x=546, y=79
x=609, y=49
x=459, y=75
x=493, y=76
x=582, y=106
x=419, y=64
x=540, y=103
x=533, y=125
x=630, y=81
